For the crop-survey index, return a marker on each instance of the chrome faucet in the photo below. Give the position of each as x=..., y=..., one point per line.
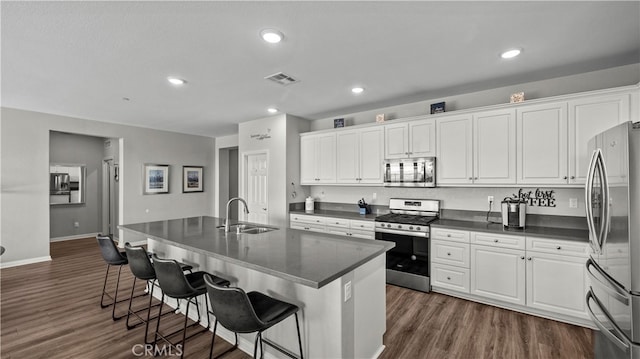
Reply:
x=226, y=220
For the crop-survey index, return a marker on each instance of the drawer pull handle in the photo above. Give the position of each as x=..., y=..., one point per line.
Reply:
x=558, y=248
x=448, y=253
x=448, y=278
x=448, y=235
x=495, y=240
x=522, y=257
x=529, y=258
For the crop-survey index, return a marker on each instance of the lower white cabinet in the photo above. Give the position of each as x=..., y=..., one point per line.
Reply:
x=333, y=225
x=542, y=276
x=498, y=273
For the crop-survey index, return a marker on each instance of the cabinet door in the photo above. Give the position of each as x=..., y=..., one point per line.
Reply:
x=326, y=158
x=348, y=159
x=542, y=144
x=557, y=283
x=455, y=150
x=498, y=273
x=396, y=140
x=308, y=159
x=371, y=146
x=422, y=138
x=494, y=144
x=587, y=118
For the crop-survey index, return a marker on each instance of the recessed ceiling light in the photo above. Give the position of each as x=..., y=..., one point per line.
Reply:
x=509, y=54
x=272, y=110
x=271, y=36
x=176, y=81
x=357, y=90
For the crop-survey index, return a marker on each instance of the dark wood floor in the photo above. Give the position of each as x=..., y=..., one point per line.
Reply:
x=51, y=310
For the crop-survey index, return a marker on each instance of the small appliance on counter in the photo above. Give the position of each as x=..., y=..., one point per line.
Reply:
x=309, y=204
x=514, y=212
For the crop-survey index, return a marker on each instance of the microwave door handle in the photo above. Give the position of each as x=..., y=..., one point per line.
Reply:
x=588, y=202
x=604, y=330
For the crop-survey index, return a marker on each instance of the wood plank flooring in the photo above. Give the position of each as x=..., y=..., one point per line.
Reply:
x=51, y=310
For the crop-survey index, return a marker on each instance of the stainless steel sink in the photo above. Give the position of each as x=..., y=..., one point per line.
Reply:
x=240, y=228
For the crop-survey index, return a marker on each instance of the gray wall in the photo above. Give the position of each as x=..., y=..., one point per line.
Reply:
x=76, y=149
x=24, y=145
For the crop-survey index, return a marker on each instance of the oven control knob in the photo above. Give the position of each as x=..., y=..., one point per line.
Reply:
x=417, y=228
x=411, y=228
x=388, y=226
x=399, y=226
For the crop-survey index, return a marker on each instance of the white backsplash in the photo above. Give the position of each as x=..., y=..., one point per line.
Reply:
x=460, y=198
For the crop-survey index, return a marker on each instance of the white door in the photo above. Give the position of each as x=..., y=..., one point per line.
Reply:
x=396, y=143
x=455, y=150
x=494, y=144
x=256, y=187
x=348, y=163
x=422, y=138
x=498, y=273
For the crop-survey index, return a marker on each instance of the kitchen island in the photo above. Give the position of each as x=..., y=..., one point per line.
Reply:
x=338, y=282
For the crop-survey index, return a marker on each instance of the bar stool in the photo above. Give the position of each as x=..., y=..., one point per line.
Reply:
x=175, y=284
x=142, y=268
x=113, y=257
x=251, y=312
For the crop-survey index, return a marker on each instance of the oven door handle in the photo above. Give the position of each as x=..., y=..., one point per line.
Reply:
x=403, y=233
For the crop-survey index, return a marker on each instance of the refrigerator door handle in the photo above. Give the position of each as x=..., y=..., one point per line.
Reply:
x=606, y=213
x=611, y=288
x=593, y=242
x=615, y=338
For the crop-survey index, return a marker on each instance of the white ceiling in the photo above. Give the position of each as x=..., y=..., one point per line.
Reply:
x=81, y=59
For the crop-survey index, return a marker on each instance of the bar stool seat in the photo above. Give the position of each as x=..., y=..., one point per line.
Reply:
x=242, y=312
x=175, y=284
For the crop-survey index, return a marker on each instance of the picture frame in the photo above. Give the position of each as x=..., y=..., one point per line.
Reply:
x=338, y=122
x=192, y=179
x=156, y=179
x=437, y=107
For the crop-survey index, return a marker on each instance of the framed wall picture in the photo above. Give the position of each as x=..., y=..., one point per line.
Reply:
x=437, y=107
x=156, y=179
x=338, y=122
x=192, y=179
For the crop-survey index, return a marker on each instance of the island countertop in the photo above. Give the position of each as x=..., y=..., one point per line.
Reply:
x=309, y=258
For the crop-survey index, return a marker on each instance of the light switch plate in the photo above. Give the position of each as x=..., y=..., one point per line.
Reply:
x=573, y=203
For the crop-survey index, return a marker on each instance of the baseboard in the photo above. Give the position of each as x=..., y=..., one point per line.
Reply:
x=25, y=261
x=76, y=236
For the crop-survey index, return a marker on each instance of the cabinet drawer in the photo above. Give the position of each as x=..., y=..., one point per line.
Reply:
x=363, y=234
x=362, y=225
x=307, y=226
x=336, y=222
x=498, y=240
x=307, y=219
x=450, y=235
x=451, y=253
x=557, y=246
x=450, y=277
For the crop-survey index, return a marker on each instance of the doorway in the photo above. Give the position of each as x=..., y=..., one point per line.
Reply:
x=255, y=181
x=110, y=195
x=228, y=181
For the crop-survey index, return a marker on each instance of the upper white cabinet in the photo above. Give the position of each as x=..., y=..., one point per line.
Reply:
x=542, y=144
x=410, y=139
x=318, y=158
x=588, y=117
x=360, y=156
x=477, y=148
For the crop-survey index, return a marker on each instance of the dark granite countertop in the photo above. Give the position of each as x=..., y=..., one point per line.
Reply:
x=569, y=234
x=309, y=258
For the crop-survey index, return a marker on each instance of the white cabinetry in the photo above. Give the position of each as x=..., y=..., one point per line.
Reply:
x=333, y=225
x=498, y=267
x=450, y=259
x=477, y=148
x=588, y=117
x=542, y=144
x=556, y=276
x=416, y=138
x=318, y=158
x=360, y=156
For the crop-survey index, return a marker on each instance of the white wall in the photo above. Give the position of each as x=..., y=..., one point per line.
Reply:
x=24, y=154
x=613, y=77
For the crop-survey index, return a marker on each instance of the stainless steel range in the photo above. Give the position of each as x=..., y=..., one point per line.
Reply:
x=408, y=226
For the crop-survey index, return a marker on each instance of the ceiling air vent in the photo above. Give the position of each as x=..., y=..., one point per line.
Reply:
x=281, y=78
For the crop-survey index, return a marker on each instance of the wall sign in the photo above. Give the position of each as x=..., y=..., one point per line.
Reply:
x=539, y=197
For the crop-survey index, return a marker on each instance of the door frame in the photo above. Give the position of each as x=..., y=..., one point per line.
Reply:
x=243, y=177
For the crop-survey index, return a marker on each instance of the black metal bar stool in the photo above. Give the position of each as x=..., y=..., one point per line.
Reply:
x=251, y=312
x=113, y=257
x=142, y=269
x=175, y=284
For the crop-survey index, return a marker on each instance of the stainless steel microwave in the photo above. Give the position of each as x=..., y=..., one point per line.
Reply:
x=411, y=172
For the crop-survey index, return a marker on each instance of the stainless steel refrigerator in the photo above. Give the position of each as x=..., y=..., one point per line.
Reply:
x=612, y=196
